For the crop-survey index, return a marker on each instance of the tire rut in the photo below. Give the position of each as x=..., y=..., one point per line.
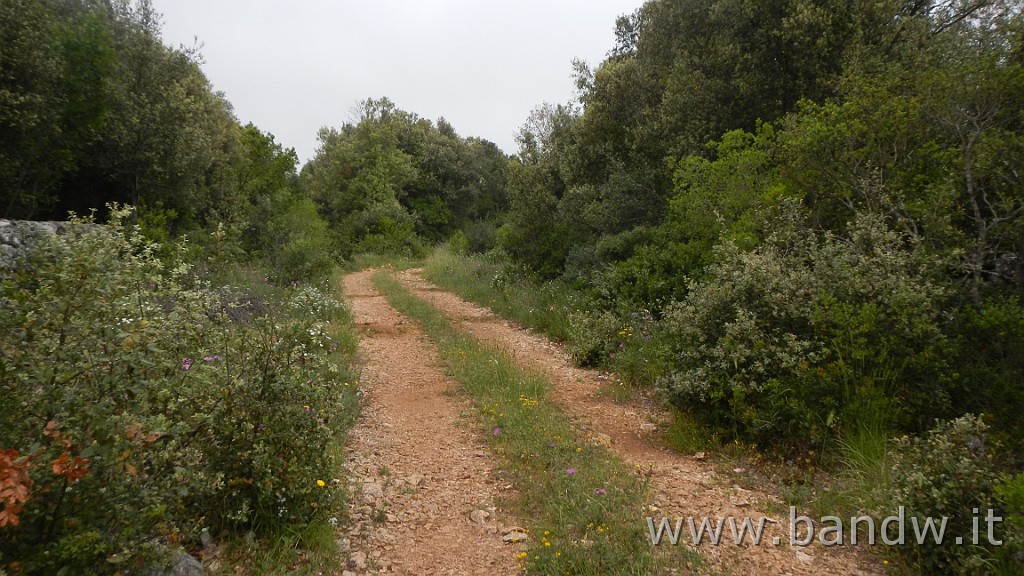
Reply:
x=681, y=486
x=419, y=476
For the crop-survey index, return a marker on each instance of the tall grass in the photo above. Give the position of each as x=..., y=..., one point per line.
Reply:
x=508, y=291
x=584, y=505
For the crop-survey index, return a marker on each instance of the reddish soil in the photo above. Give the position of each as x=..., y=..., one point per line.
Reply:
x=423, y=487
x=681, y=485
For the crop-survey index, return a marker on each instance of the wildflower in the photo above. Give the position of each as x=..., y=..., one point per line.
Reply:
x=333, y=521
x=737, y=470
x=186, y=364
x=306, y=409
x=570, y=471
x=213, y=358
x=497, y=431
x=599, y=491
x=321, y=483
x=334, y=347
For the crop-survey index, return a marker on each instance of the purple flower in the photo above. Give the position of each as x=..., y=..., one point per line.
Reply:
x=186, y=363
x=334, y=347
x=599, y=491
x=570, y=471
x=213, y=358
x=497, y=431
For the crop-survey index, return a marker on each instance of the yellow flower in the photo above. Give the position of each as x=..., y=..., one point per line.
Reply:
x=321, y=483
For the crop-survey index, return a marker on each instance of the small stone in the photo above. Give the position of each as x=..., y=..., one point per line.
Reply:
x=514, y=537
x=358, y=560
x=479, y=516
x=415, y=479
x=804, y=557
x=372, y=492
x=648, y=427
x=700, y=456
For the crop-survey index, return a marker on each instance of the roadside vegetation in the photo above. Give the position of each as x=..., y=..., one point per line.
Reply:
x=801, y=222
x=149, y=408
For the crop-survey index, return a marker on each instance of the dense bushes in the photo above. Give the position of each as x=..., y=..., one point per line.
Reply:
x=950, y=473
x=142, y=406
x=787, y=342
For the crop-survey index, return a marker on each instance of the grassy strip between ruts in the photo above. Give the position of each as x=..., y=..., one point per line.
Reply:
x=586, y=507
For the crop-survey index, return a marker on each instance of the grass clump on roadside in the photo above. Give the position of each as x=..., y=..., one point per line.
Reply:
x=505, y=289
x=587, y=507
x=628, y=341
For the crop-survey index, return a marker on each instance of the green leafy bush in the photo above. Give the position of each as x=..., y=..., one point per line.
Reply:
x=1010, y=493
x=785, y=343
x=140, y=406
x=950, y=472
x=991, y=365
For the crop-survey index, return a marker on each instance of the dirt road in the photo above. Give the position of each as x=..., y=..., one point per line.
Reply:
x=425, y=491
x=428, y=490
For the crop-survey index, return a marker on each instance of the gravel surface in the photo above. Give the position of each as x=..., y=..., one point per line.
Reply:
x=682, y=485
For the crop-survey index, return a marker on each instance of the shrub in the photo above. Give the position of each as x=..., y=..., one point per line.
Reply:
x=783, y=343
x=989, y=359
x=140, y=406
x=590, y=336
x=297, y=245
x=949, y=472
x=1010, y=493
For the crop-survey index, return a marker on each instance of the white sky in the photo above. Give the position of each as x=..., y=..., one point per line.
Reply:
x=292, y=67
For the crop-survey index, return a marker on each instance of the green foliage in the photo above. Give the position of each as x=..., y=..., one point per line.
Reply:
x=298, y=245
x=798, y=336
x=949, y=472
x=145, y=406
x=991, y=367
x=1010, y=493
x=506, y=289
x=392, y=180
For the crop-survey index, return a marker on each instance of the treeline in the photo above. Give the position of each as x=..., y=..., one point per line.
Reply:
x=815, y=198
x=95, y=109
x=804, y=221
x=391, y=182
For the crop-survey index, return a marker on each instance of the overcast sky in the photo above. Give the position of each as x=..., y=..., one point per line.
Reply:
x=292, y=67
